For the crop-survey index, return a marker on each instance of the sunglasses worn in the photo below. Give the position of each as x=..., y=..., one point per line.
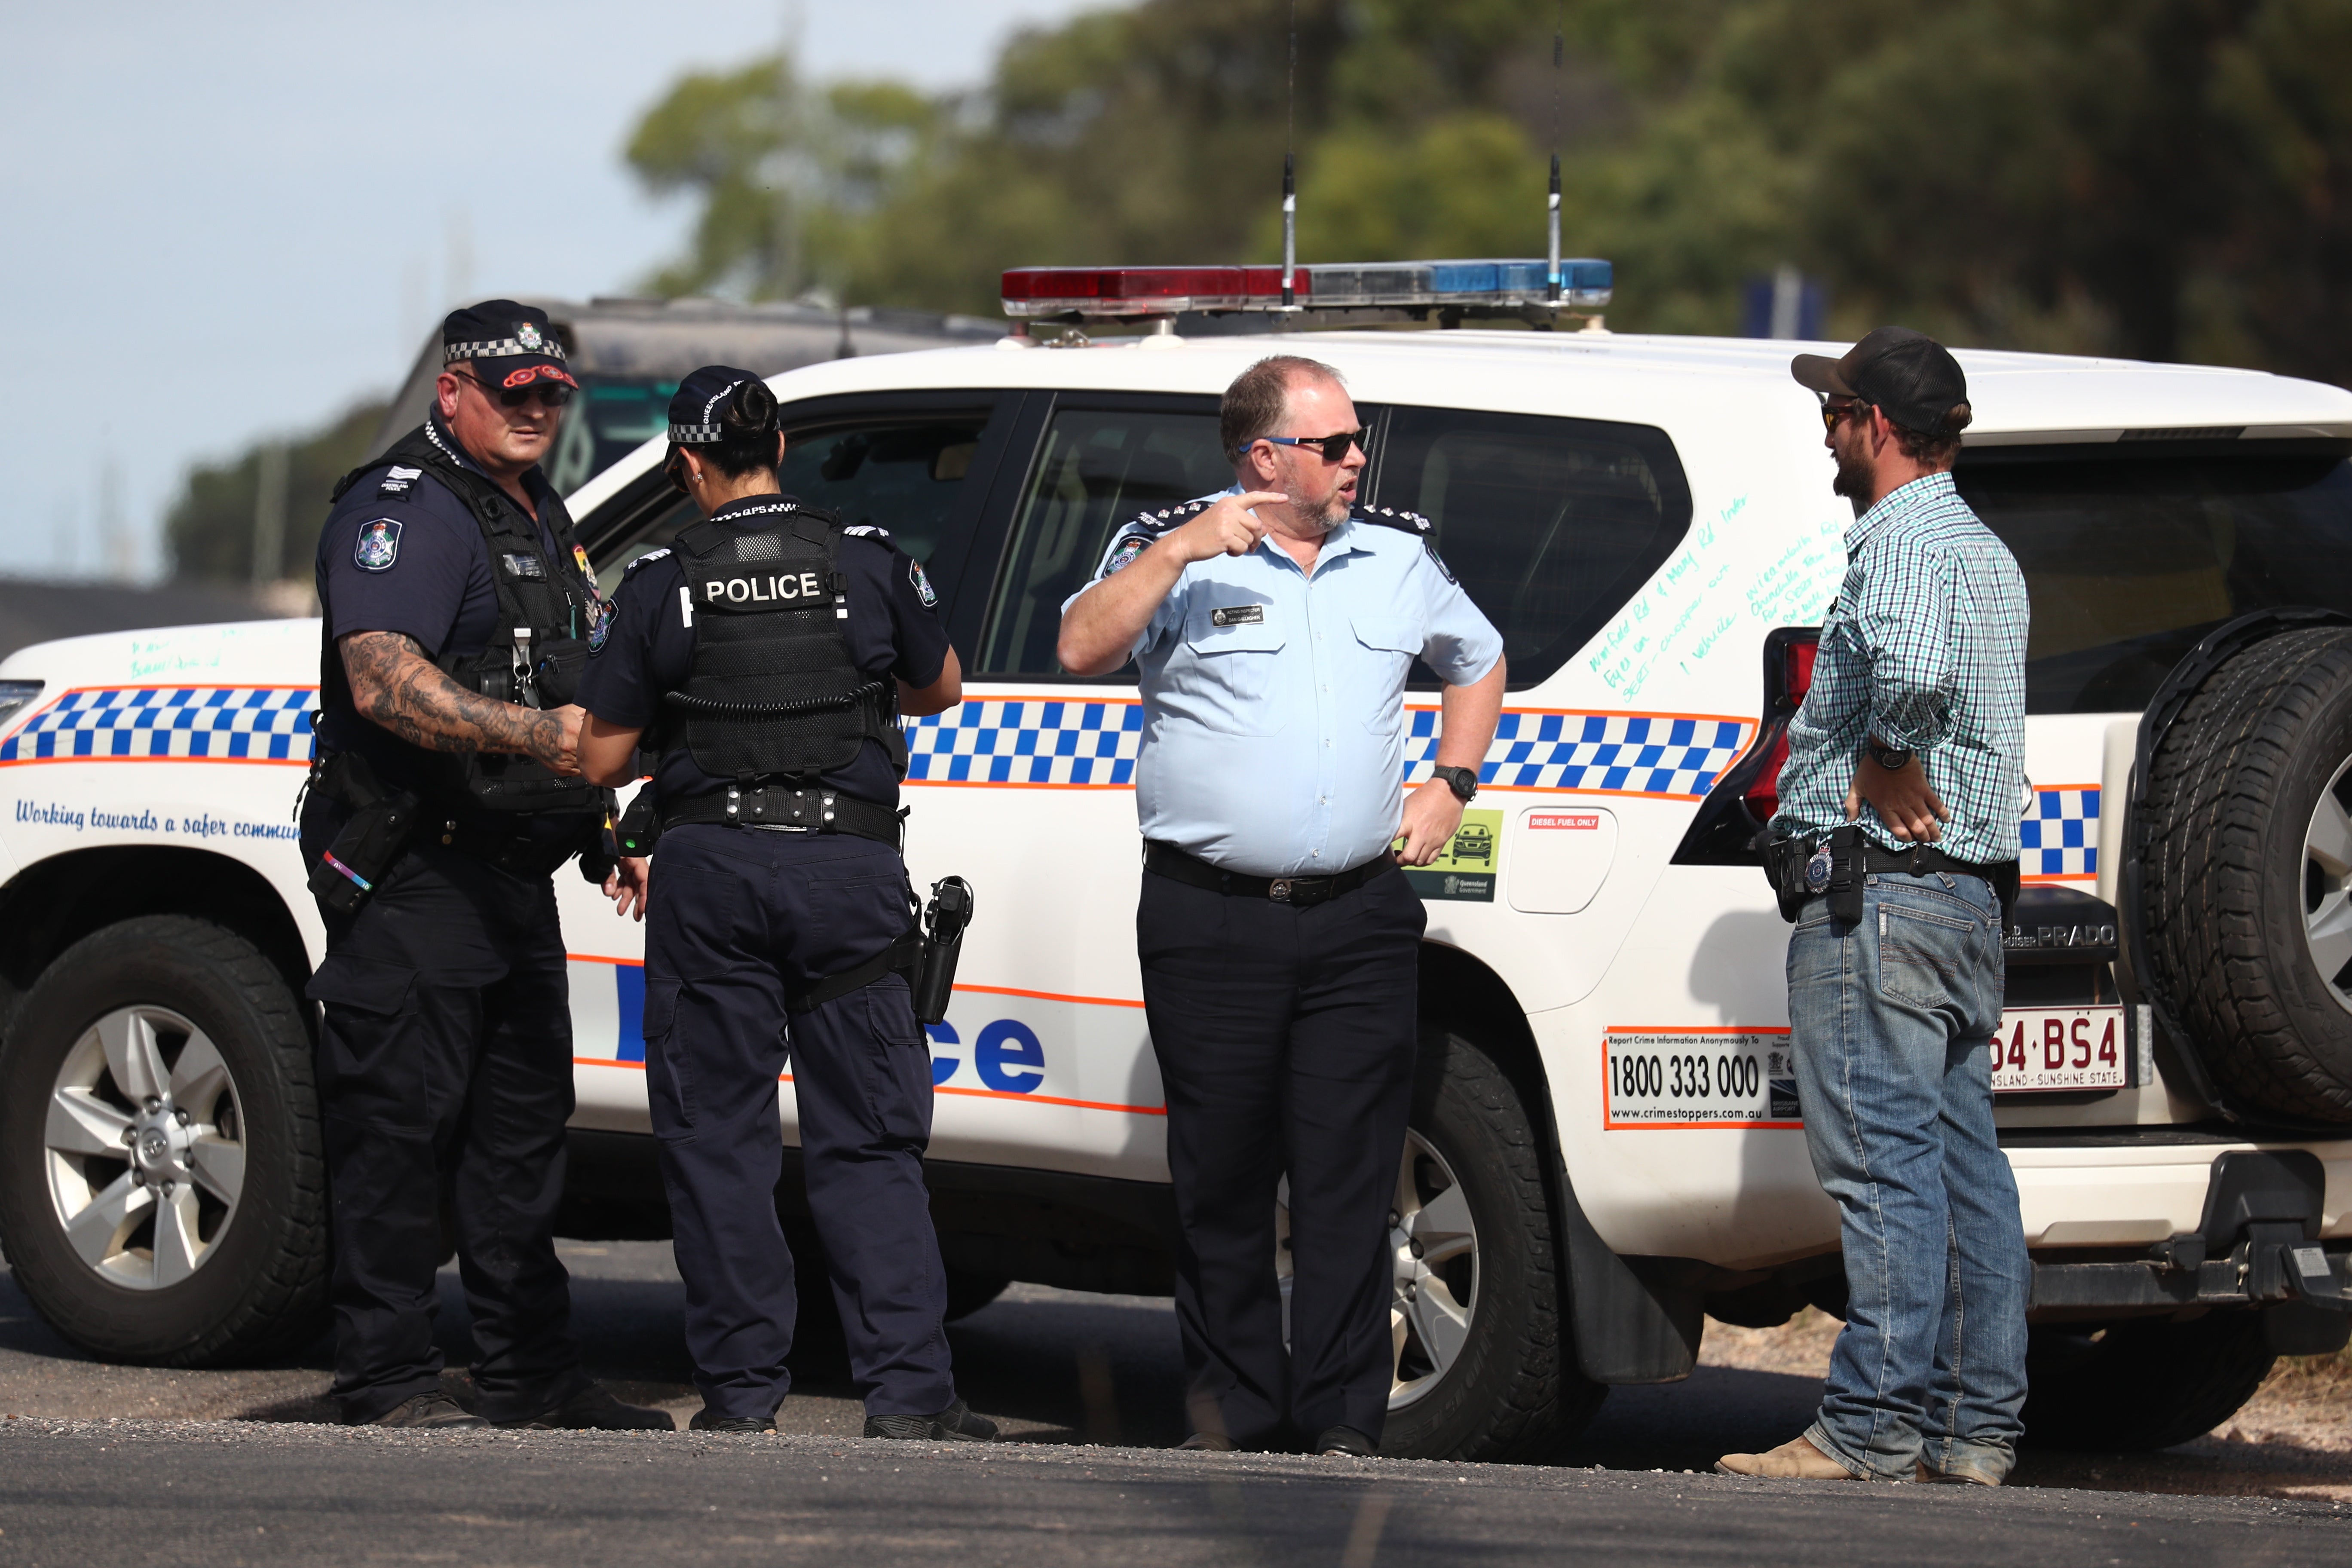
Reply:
x=1334, y=447
x=1833, y=412
x=551, y=394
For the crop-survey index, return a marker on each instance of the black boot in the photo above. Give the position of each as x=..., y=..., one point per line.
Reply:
x=430, y=1411
x=595, y=1409
x=1346, y=1440
x=955, y=1423
x=706, y=1420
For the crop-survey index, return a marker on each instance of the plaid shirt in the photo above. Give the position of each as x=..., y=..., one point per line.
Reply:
x=1925, y=649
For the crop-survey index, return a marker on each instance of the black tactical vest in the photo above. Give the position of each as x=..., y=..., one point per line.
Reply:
x=548, y=608
x=775, y=690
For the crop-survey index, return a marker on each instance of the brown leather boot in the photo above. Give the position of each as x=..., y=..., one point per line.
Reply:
x=1794, y=1460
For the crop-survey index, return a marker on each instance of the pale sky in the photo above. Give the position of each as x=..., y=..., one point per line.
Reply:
x=234, y=220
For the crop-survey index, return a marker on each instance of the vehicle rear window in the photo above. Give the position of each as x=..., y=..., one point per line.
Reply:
x=1096, y=472
x=1551, y=525
x=2131, y=554
x=901, y=474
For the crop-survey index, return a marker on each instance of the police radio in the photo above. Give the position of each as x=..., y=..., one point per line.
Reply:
x=943, y=928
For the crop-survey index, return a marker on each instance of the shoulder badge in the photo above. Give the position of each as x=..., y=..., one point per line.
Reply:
x=398, y=483
x=648, y=558
x=379, y=545
x=1124, y=551
x=866, y=530
x=923, y=589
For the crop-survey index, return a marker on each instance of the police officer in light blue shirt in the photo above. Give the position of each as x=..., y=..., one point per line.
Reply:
x=1275, y=625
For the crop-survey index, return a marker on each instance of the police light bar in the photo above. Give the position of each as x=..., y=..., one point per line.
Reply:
x=1106, y=292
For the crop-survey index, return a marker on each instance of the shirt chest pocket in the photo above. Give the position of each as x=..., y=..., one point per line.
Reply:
x=1384, y=649
x=1235, y=648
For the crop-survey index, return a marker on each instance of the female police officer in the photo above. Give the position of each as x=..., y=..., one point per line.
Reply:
x=768, y=653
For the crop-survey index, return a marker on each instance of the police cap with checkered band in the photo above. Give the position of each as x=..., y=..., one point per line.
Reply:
x=507, y=344
x=697, y=411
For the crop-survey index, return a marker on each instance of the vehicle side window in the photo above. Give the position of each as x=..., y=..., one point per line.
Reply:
x=902, y=475
x=2132, y=552
x=1549, y=524
x=1095, y=470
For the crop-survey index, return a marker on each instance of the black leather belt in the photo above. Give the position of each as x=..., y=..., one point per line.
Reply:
x=523, y=857
x=779, y=806
x=1167, y=860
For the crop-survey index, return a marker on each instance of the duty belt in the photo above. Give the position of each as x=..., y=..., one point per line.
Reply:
x=1167, y=860
x=778, y=805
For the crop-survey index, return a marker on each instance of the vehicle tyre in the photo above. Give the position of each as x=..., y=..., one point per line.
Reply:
x=162, y=1189
x=2246, y=874
x=2142, y=1384
x=1484, y=1366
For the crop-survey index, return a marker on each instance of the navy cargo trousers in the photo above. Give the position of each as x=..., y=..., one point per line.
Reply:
x=738, y=917
x=444, y=1066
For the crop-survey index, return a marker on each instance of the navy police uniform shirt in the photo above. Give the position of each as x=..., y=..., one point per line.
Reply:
x=402, y=553
x=894, y=632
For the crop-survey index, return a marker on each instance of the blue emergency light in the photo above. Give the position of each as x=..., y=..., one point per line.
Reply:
x=1475, y=285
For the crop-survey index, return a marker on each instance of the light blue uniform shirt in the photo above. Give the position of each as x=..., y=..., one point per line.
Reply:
x=1274, y=697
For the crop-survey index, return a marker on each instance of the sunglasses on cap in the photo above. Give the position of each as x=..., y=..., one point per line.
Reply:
x=551, y=394
x=1334, y=447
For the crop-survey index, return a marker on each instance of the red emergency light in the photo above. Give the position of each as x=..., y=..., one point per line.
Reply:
x=1115, y=291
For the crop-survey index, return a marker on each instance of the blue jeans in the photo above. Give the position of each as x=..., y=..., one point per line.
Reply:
x=1891, y=1020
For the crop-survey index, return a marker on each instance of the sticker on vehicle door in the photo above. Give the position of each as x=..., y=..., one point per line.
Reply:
x=1467, y=870
x=2042, y=1048
x=1698, y=1077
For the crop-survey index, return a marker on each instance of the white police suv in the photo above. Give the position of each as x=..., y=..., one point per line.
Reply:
x=1606, y=1146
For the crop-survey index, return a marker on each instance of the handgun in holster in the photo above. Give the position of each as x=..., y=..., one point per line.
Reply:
x=360, y=855
x=943, y=927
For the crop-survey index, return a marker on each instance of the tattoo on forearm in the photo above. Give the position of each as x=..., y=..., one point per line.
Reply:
x=394, y=685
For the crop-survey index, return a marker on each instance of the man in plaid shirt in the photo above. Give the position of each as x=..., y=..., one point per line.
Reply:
x=1913, y=732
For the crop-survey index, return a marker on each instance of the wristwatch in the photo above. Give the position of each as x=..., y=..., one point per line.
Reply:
x=1892, y=759
x=1462, y=782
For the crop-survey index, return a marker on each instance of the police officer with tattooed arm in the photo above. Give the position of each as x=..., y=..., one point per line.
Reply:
x=764, y=658
x=457, y=613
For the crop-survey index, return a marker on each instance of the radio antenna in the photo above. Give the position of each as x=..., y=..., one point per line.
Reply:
x=1290, y=172
x=1551, y=219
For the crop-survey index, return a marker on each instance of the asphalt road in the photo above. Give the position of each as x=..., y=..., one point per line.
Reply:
x=239, y=1467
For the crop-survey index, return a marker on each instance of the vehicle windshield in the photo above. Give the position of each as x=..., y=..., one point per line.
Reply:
x=613, y=416
x=2131, y=556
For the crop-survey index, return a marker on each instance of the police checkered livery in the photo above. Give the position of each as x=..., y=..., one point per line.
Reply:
x=236, y=723
x=1028, y=740
x=1606, y=753
x=2059, y=836
x=1024, y=741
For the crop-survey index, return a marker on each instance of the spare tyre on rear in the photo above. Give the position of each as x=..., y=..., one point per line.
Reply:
x=2245, y=841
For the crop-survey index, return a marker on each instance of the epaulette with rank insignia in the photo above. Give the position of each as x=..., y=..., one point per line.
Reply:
x=1392, y=516
x=869, y=531
x=1132, y=539
x=648, y=559
x=1405, y=522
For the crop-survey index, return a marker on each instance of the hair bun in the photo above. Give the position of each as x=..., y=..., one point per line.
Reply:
x=752, y=410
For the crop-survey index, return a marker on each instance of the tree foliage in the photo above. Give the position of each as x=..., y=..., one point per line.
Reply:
x=209, y=532
x=2167, y=179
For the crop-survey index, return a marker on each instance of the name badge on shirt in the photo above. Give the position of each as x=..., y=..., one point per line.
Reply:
x=526, y=566
x=1238, y=615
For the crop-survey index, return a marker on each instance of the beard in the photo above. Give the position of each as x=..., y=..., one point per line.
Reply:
x=1854, y=479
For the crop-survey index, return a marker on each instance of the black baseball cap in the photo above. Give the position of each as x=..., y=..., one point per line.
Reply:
x=1909, y=374
x=510, y=345
x=694, y=409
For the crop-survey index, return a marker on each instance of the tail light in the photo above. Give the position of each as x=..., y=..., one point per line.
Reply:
x=1785, y=681
x=1748, y=795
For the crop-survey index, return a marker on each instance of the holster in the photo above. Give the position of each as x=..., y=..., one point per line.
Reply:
x=369, y=841
x=1785, y=864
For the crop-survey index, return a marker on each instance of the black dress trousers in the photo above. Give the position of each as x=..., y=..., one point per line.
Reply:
x=1285, y=1038
x=445, y=1063
x=736, y=915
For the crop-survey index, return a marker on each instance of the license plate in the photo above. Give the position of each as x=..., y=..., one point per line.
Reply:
x=2060, y=1047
